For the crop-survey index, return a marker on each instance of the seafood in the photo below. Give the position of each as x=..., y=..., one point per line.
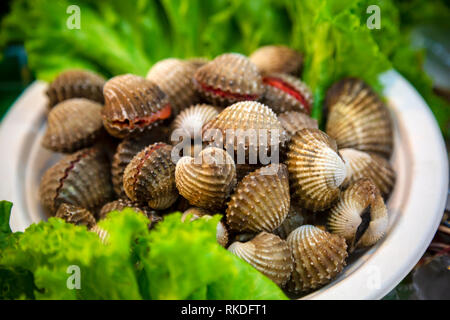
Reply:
x=270, y=59
x=295, y=218
x=293, y=121
x=75, y=215
x=199, y=213
x=120, y=204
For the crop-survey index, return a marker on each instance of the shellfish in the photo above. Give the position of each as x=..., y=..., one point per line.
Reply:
x=268, y=254
x=316, y=169
x=270, y=59
x=358, y=118
x=227, y=79
x=199, y=213
x=73, y=124
x=132, y=105
x=293, y=121
x=295, y=218
x=261, y=200
x=319, y=256
x=120, y=204
x=75, y=215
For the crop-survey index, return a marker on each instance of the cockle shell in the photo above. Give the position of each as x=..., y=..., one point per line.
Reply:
x=360, y=215
x=207, y=180
x=316, y=169
x=81, y=179
x=358, y=118
x=284, y=92
x=175, y=78
x=150, y=177
x=76, y=84
x=261, y=200
x=361, y=164
x=120, y=204
x=270, y=59
x=293, y=121
x=319, y=257
x=197, y=62
x=75, y=215
x=132, y=105
x=295, y=218
x=244, y=169
x=73, y=124
x=268, y=254
x=227, y=79
x=200, y=213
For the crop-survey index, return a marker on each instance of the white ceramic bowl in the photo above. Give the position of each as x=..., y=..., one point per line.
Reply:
x=415, y=206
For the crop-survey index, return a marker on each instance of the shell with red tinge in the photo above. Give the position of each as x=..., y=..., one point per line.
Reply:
x=270, y=59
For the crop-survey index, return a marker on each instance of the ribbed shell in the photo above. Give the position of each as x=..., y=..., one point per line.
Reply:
x=293, y=121
x=120, y=204
x=252, y=119
x=261, y=200
x=361, y=164
x=73, y=124
x=284, y=92
x=227, y=79
x=268, y=254
x=315, y=169
x=76, y=84
x=345, y=217
x=81, y=179
x=75, y=215
x=150, y=177
x=197, y=62
x=358, y=118
x=175, y=78
x=244, y=169
x=270, y=59
x=319, y=257
x=206, y=181
x=294, y=219
x=132, y=105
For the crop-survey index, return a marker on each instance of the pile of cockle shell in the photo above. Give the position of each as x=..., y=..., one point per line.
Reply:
x=296, y=221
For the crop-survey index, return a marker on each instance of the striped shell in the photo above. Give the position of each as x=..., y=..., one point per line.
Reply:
x=293, y=121
x=261, y=200
x=358, y=118
x=175, y=78
x=319, y=257
x=295, y=218
x=229, y=78
x=361, y=164
x=75, y=215
x=120, y=204
x=284, y=92
x=195, y=213
x=360, y=215
x=268, y=254
x=132, y=105
x=73, y=124
x=315, y=169
x=270, y=59
x=207, y=180
x=81, y=179
x=76, y=84
x=150, y=177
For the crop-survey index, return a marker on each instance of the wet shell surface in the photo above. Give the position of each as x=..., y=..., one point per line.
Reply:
x=358, y=118
x=281, y=59
x=207, y=180
x=268, y=254
x=75, y=215
x=76, y=84
x=293, y=121
x=229, y=78
x=150, y=177
x=73, y=124
x=361, y=164
x=284, y=92
x=319, y=257
x=360, y=215
x=315, y=169
x=120, y=204
x=132, y=105
x=261, y=200
x=294, y=219
x=81, y=179
x=175, y=78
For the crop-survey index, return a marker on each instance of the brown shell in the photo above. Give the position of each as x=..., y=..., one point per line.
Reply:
x=175, y=78
x=73, y=124
x=150, y=177
x=270, y=59
x=75, y=215
x=358, y=118
x=361, y=164
x=319, y=257
x=197, y=62
x=120, y=204
x=76, y=84
x=207, y=180
x=261, y=200
x=81, y=179
x=316, y=169
x=293, y=121
x=294, y=219
x=284, y=92
x=268, y=254
x=227, y=79
x=132, y=105
x=244, y=169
